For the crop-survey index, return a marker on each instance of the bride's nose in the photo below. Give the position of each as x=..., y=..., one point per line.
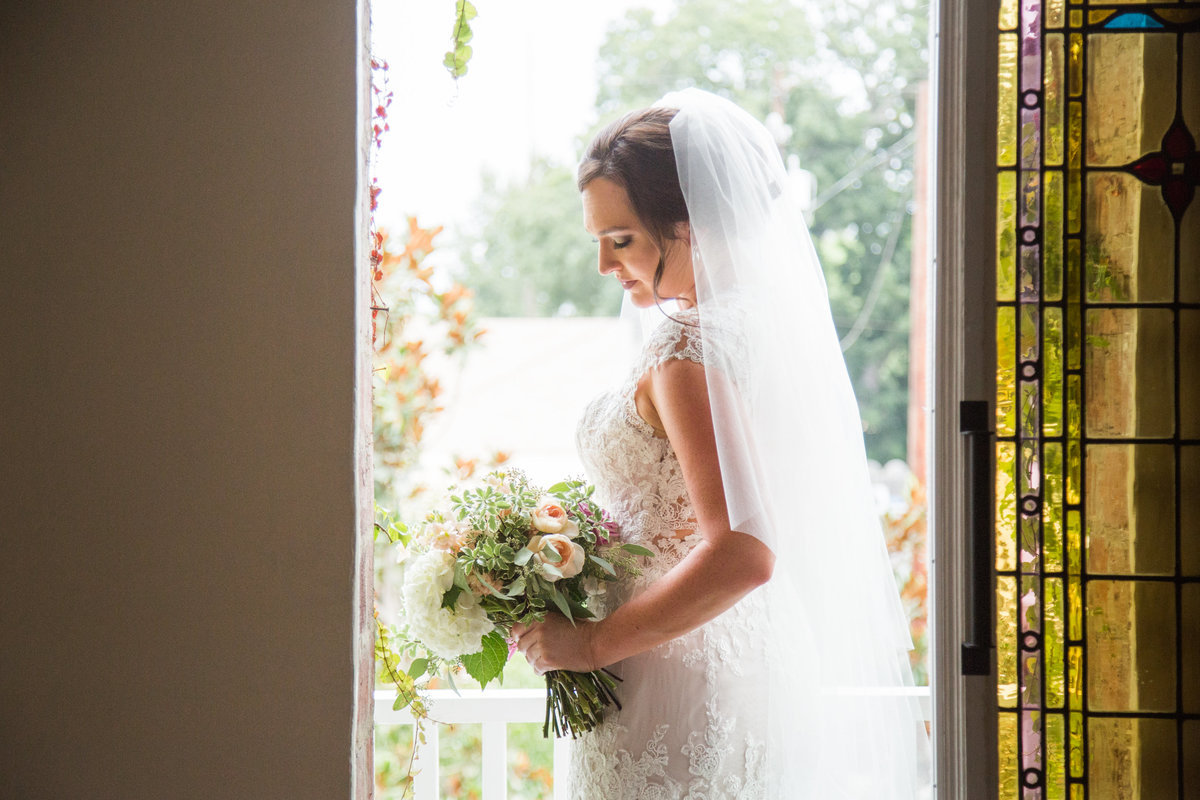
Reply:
x=605, y=262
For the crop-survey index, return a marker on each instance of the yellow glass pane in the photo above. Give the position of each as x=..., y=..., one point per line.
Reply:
x=1009, y=757
x=1075, y=610
x=1074, y=201
x=1076, y=18
x=1074, y=552
x=1098, y=16
x=1189, y=510
x=1130, y=240
x=1074, y=411
x=1130, y=384
x=1006, y=641
x=1052, y=98
x=1131, y=646
x=1075, y=65
x=1074, y=469
x=1006, y=506
x=1008, y=14
x=1191, y=759
x=1056, y=757
x=1052, y=372
x=1075, y=683
x=1131, y=76
x=1189, y=226
x=1189, y=372
x=1189, y=248
x=1006, y=371
x=1077, y=792
x=1054, y=13
x=1053, y=643
x=1131, y=509
x=1006, y=131
x=1190, y=645
x=1006, y=236
x=1132, y=758
x=1074, y=137
x=1181, y=15
x=1074, y=321
x=1076, y=745
x=1052, y=509
x=1052, y=238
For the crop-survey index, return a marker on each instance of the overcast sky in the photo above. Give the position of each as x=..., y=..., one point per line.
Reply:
x=530, y=90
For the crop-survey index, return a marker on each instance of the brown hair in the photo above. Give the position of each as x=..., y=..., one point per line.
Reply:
x=636, y=153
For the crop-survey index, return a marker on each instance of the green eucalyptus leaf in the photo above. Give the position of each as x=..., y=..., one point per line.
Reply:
x=636, y=549
x=558, y=488
x=562, y=604
x=605, y=565
x=523, y=556
x=516, y=587
x=417, y=668
x=460, y=577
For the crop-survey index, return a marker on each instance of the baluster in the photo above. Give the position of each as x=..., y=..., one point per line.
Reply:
x=495, y=761
x=426, y=765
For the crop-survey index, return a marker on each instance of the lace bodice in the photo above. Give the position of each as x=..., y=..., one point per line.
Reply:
x=637, y=476
x=690, y=727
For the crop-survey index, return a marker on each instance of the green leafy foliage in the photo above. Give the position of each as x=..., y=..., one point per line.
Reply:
x=488, y=664
x=460, y=53
x=528, y=255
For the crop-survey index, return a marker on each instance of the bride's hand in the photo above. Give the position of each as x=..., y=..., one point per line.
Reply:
x=556, y=644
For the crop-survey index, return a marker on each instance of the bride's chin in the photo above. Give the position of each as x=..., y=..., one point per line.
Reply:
x=641, y=299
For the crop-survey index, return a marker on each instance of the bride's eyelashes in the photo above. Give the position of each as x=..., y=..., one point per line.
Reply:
x=617, y=243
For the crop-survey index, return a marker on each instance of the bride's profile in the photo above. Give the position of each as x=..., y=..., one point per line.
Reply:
x=762, y=647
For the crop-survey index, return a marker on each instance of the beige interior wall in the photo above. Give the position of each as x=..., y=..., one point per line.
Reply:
x=177, y=399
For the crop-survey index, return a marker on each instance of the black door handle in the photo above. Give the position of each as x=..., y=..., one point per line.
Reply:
x=973, y=424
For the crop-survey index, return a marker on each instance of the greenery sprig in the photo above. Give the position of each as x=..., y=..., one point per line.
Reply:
x=457, y=57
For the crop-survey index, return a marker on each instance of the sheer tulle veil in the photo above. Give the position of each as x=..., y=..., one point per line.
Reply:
x=794, y=468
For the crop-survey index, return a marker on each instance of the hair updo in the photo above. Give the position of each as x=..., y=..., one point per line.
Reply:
x=636, y=153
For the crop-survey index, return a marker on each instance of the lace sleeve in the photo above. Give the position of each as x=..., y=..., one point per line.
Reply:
x=677, y=338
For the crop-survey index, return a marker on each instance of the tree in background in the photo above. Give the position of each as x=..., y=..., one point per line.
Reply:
x=836, y=83
x=531, y=256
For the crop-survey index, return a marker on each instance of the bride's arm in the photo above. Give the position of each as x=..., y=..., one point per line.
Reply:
x=722, y=568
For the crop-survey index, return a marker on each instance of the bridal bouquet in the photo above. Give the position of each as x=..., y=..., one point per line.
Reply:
x=503, y=553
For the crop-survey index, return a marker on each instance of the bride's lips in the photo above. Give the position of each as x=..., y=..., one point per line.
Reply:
x=627, y=285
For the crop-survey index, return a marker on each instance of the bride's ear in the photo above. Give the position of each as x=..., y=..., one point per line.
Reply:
x=683, y=230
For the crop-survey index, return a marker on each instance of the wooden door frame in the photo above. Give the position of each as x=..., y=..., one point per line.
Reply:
x=964, y=47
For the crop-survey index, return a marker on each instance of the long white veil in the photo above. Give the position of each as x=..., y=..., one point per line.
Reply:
x=794, y=467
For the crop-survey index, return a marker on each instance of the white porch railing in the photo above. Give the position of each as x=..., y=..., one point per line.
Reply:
x=494, y=709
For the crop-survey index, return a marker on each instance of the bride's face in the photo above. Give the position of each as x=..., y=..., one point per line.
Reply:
x=629, y=254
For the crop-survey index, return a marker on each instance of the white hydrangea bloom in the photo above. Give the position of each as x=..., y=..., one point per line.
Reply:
x=449, y=634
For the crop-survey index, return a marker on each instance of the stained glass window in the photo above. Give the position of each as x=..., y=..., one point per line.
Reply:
x=1097, y=454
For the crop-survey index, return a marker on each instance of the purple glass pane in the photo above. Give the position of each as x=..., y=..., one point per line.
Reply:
x=1031, y=138
x=1031, y=45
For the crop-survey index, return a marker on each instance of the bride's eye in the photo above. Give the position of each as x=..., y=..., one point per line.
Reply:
x=619, y=243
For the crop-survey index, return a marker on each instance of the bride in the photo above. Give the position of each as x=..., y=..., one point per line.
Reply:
x=762, y=647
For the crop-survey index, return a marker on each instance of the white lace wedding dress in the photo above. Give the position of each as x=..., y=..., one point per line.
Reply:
x=693, y=722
